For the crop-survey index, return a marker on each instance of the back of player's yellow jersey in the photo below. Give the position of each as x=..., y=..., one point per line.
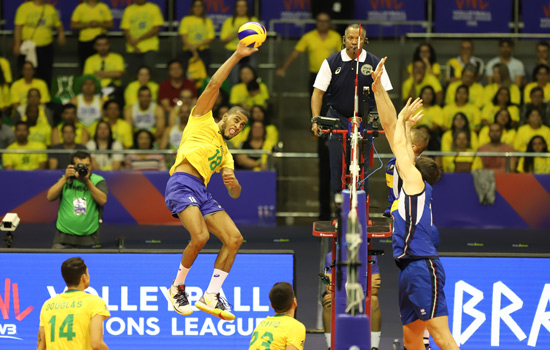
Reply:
x=275, y=333
x=66, y=319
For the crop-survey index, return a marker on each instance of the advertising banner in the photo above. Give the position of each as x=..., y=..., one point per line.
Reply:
x=290, y=10
x=473, y=16
x=390, y=11
x=134, y=288
x=535, y=15
x=493, y=305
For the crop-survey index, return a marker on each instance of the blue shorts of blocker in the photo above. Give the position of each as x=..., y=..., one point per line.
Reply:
x=183, y=190
x=421, y=293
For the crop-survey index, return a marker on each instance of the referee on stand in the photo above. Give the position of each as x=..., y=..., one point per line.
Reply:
x=336, y=83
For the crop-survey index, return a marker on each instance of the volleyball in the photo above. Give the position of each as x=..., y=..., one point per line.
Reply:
x=252, y=34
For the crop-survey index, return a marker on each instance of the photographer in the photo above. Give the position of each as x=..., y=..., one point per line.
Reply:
x=82, y=197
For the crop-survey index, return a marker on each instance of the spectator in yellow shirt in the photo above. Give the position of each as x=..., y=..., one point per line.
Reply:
x=258, y=113
x=461, y=105
x=68, y=116
x=456, y=65
x=460, y=164
x=120, y=128
x=20, y=88
x=503, y=118
x=91, y=18
x=107, y=66
x=537, y=101
x=541, y=78
x=35, y=103
x=433, y=114
x=319, y=43
x=34, y=22
x=256, y=140
x=475, y=90
x=197, y=33
x=420, y=78
x=24, y=161
x=141, y=23
x=229, y=35
x=5, y=67
x=143, y=79
x=426, y=53
x=500, y=101
x=536, y=165
x=533, y=127
x=501, y=78
x=4, y=93
x=460, y=122
x=240, y=94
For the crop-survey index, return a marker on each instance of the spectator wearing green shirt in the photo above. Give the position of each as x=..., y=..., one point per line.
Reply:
x=82, y=196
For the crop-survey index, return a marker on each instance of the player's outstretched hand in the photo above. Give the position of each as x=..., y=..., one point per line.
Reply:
x=377, y=84
x=243, y=50
x=410, y=109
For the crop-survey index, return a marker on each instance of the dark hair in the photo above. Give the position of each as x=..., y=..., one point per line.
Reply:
x=430, y=171
x=465, y=88
x=505, y=41
x=72, y=270
x=538, y=68
x=239, y=109
x=429, y=87
x=143, y=88
x=543, y=43
x=143, y=67
x=172, y=61
x=262, y=109
x=28, y=62
x=80, y=154
x=529, y=162
x=68, y=106
x=136, y=135
x=203, y=16
x=235, y=12
x=495, y=98
x=108, y=103
x=21, y=123
x=416, y=55
x=470, y=68
x=100, y=37
x=466, y=126
x=109, y=141
x=64, y=125
x=250, y=132
x=458, y=132
x=504, y=72
x=356, y=26
x=34, y=89
x=281, y=297
x=508, y=124
x=252, y=86
x=536, y=89
x=254, y=73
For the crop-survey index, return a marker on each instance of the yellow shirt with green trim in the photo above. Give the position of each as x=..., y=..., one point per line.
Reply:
x=25, y=161
x=531, y=86
x=38, y=22
x=131, y=92
x=318, y=48
x=540, y=165
x=429, y=79
x=110, y=63
x=508, y=136
x=470, y=111
x=204, y=147
x=122, y=132
x=489, y=111
x=66, y=319
x=84, y=13
x=140, y=19
x=230, y=27
x=276, y=332
x=6, y=69
x=239, y=95
x=491, y=90
x=475, y=93
x=19, y=90
x=526, y=133
x=197, y=30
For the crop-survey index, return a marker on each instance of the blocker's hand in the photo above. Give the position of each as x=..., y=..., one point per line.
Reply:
x=377, y=84
x=244, y=51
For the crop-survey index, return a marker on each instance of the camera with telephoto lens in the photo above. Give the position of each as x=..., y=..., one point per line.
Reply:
x=81, y=169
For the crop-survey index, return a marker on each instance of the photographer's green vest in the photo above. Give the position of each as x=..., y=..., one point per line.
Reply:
x=78, y=213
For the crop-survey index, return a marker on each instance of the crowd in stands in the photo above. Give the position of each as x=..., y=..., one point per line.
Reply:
x=501, y=106
x=100, y=112
x=469, y=105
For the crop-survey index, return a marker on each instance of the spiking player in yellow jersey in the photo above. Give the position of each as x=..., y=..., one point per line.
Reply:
x=202, y=152
x=282, y=331
x=74, y=319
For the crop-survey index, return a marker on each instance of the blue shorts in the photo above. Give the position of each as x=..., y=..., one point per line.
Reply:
x=421, y=293
x=183, y=190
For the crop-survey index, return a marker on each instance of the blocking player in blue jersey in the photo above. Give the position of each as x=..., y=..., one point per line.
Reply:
x=421, y=277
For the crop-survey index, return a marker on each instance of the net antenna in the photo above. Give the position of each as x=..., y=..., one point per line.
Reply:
x=354, y=290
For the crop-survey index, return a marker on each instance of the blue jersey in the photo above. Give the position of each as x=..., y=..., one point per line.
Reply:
x=412, y=235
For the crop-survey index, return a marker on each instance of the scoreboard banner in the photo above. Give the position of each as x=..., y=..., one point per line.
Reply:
x=473, y=16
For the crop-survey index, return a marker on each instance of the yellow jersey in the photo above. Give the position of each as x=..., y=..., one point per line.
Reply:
x=204, y=147
x=508, y=136
x=122, y=132
x=489, y=111
x=111, y=62
x=475, y=93
x=449, y=162
x=540, y=165
x=197, y=30
x=469, y=110
x=491, y=90
x=79, y=128
x=20, y=89
x=239, y=95
x=231, y=27
x=319, y=49
x=5, y=96
x=436, y=69
x=140, y=19
x=6, y=69
x=84, y=13
x=276, y=332
x=530, y=86
x=131, y=92
x=42, y=131
x=25, y=161
x=526, y=133
x=447, y=141
x=432, y=115
x=66, y=319
x=429, y=79
x=37, y=21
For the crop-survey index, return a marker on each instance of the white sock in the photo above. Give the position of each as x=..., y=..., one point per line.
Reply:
x=182, y=274
x=426, y=337
x=327, y=337
x=375, y=339
x=218, y=277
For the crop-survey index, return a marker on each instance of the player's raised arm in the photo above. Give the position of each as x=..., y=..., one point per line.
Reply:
x=231, y=183
x=206, y=101
x=386, y=110
x=412, y=178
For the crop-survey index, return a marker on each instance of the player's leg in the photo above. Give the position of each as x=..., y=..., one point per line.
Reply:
x=221, y=225
x=439, y=330
x=412, y=335
x=376, y=315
